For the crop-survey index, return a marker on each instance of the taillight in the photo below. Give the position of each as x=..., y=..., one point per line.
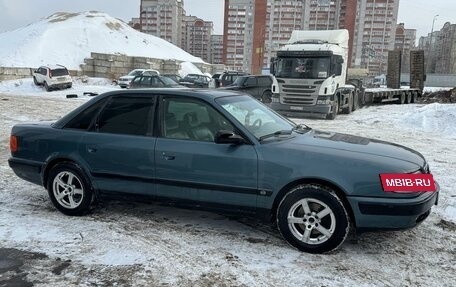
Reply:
x=13, y=144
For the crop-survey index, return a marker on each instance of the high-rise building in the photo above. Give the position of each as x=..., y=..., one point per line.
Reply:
x=216, y=49
x=197, y=37
x=163, y=18
x=375, y=33
x=440, y=50
x=244, y=31
x=405, y=42
x=285, y=16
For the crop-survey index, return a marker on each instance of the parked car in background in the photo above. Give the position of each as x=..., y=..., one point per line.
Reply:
x=227, y=78
x=195, y=81
x=175, y=78
x=215, y=81
x=145, y=81
x=225, y=151
x=257, y=86
x=52, y=77
x=124, y=81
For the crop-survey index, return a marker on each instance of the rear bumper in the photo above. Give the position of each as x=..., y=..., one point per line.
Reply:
x=391, y=214
x=27, y=169
x=61, y=85
x=300, y=111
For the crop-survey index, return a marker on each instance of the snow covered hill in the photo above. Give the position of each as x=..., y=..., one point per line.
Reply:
x=68, y=38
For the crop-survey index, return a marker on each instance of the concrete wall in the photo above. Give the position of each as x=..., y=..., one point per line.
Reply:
x=112, y=67
x=393, y=77
x=115, y=66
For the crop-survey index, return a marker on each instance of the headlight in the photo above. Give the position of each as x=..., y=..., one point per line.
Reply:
x=324, y=102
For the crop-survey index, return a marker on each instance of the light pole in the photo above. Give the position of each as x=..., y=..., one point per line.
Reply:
x=430, y=38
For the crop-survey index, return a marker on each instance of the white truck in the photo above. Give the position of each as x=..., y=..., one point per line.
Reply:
x=310, y=78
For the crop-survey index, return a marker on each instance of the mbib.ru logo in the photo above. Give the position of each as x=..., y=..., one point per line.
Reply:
x=400, y=182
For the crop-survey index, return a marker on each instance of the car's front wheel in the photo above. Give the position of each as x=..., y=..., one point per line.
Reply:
x=69, y=189
x=313, y=219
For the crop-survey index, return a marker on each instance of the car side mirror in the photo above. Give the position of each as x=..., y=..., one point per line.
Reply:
x=228, y=137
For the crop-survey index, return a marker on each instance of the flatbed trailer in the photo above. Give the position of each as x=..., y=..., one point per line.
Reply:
x=384, y=95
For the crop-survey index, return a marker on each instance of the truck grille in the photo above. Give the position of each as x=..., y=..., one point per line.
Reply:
x=299, y=94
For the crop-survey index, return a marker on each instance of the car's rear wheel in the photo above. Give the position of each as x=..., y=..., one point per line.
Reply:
x=313, y=219
x=266, y=98
x=46, y=86
x=69, y=189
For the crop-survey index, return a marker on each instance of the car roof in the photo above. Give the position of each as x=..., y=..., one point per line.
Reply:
x=53, y=67
x=197, y=93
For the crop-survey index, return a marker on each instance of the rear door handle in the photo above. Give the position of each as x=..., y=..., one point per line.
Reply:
x=168, y=157
x=91, y=149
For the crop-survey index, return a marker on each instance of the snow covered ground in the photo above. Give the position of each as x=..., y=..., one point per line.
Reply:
x=149, y=244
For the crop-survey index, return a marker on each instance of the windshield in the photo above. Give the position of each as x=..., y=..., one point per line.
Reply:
x=254, y=116
x=239, y=81
x=303, y=68
x=168, y=82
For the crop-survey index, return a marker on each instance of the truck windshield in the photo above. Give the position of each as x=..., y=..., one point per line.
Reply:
x=303, y=68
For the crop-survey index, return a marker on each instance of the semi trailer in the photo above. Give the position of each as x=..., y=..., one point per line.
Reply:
x=311, y=78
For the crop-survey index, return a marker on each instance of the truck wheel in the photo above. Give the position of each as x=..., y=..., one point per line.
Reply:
x=414, y=98
x=313, y=219
x=69, y=189
x=335, y=109
x=408, y=99
x=356, y=102
x=402, y=99
x=266, y=98
x=349, y=107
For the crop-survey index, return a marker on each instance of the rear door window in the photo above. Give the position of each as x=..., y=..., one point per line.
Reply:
x=84, y=120
x=264, y=81
x=127, y=116
x=59, y=72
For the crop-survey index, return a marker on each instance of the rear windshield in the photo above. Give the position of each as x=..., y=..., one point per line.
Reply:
x=59, y=72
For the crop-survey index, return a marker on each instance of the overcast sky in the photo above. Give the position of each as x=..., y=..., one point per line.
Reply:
x=416, y=14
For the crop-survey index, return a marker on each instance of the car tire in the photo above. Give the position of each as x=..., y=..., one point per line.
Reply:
x=408, y=99
x=35, y=81
x=266, y=98
x=46, y=86
x=313, y=219
x=401, y=99
x=70, y=189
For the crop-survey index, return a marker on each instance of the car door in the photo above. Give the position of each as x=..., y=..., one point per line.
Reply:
x=119, y=150
x=191, y=166
x=251, y=86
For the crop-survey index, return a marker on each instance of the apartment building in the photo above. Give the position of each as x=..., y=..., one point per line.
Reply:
x=216, y=47
x=405, y=41
x=196, y=38
x=375, y=34
x=440, y=50
x=163, y=18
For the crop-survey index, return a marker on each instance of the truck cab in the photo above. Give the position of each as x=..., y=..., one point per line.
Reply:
x=310, y=75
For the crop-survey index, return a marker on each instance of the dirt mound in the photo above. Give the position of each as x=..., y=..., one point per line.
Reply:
x=442, y=96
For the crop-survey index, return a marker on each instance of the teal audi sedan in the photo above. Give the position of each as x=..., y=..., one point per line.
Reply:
x=222, y=151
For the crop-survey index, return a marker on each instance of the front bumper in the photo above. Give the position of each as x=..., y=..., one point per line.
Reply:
x=392, y=213
x=301, y=111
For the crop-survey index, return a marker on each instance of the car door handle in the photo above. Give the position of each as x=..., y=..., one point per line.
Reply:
x=91, y=150
x=168, y=157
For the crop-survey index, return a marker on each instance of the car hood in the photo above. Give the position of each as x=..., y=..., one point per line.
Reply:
x=230, y=87
x=356, y=144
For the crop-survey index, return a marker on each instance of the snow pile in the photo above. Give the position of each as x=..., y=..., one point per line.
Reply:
x=435, y=118
x=188, y=68
x=68, y=38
